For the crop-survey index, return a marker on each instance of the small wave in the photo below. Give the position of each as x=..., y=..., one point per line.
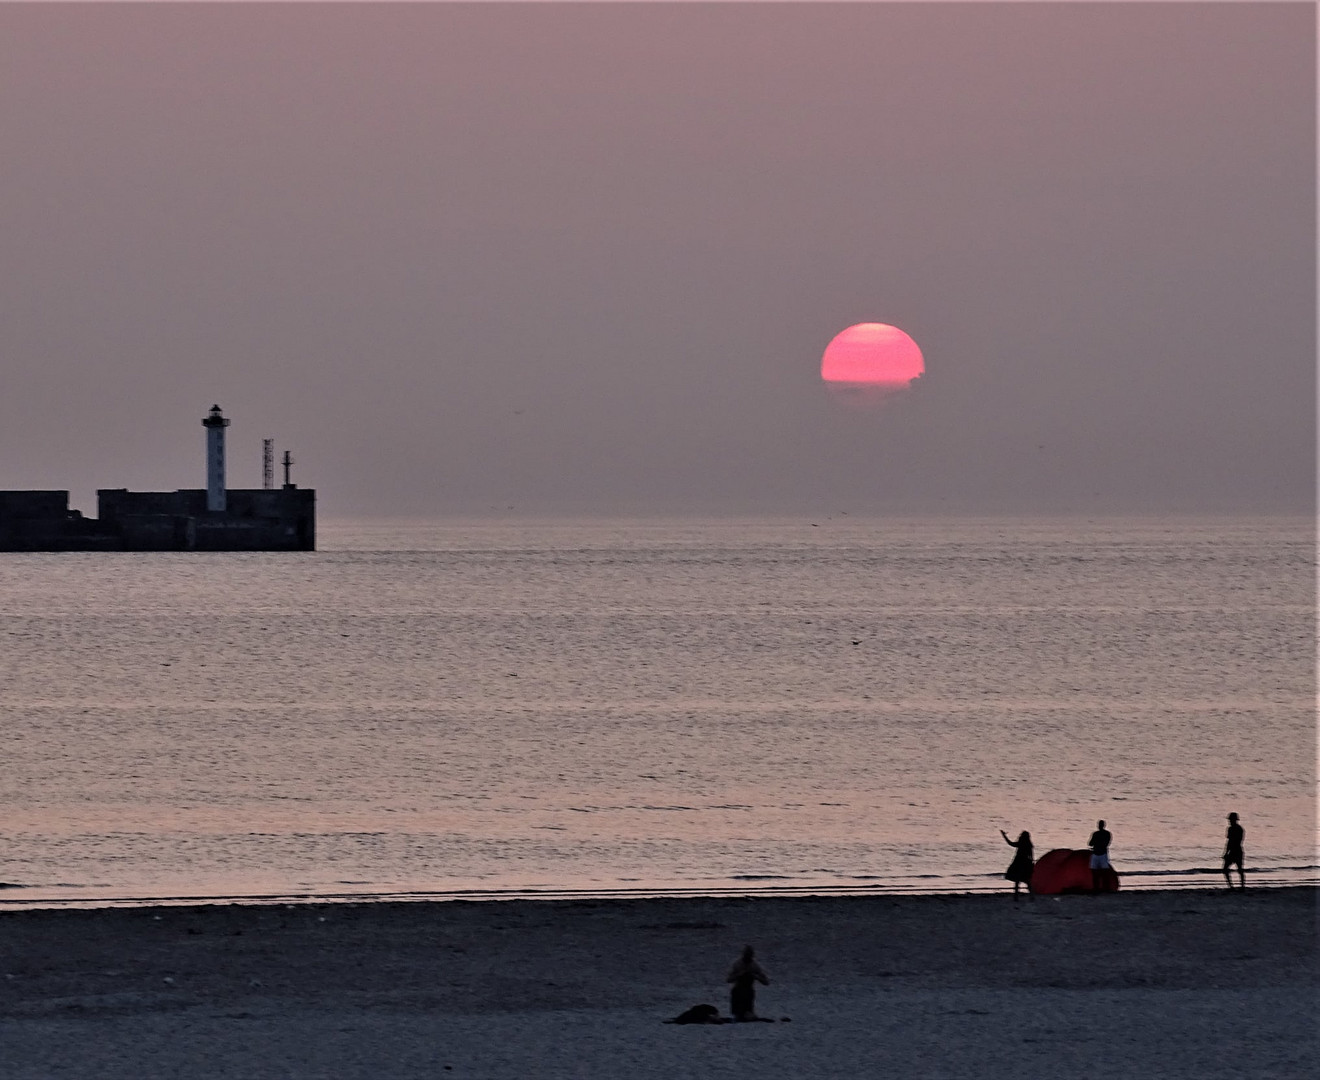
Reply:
x=1189, y=871
x=1273, y=869
x=1193, y=870
x=773, y=886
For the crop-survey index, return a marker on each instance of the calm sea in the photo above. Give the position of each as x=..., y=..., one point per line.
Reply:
x=697, y=707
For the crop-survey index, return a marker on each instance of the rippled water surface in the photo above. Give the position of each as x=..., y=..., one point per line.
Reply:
x=642, y=706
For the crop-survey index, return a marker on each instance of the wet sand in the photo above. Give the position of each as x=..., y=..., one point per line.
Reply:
x=1171, y=984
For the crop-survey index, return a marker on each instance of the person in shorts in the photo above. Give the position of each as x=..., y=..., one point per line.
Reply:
x=1099, y=845
x=1233, y=851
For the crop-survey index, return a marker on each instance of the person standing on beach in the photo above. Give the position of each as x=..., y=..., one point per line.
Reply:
x=1233, y=851
x=1019, y=870
x=744, y=975
x=1099, y=845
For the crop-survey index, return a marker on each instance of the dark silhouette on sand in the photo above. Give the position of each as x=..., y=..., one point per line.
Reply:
x=1019, y=870
x=744, y=975
x=698, y=1014
x=1233, y=851
x=1099, y=845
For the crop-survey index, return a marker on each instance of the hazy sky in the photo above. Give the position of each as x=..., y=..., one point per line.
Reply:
x=586, y=258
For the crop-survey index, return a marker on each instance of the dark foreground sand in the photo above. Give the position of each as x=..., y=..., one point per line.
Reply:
x=1155, y=984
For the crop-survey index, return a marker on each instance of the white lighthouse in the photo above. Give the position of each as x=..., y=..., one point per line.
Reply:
x=215, y=425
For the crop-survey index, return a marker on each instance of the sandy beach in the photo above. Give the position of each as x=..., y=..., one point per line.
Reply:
x=1193, y=983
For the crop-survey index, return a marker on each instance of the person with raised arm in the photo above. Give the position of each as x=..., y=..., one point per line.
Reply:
x=1019, y=870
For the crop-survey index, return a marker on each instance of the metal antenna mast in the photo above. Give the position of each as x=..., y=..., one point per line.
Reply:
x=267, y=463
x=288, y=460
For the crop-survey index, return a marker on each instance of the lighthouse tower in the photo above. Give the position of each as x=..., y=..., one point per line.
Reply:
x=215, y=425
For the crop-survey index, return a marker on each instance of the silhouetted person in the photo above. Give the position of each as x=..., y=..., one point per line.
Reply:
x=1099, y=845
x=1233, y=851
x=1019, y=870
x=698, y=1014
x=744, y=975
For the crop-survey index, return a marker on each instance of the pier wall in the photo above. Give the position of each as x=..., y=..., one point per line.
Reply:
x=280, y=519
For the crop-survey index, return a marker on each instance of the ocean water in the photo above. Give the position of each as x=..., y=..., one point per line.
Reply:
x=615, y=707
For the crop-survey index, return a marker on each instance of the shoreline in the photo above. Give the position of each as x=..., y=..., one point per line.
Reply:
x=1190, y=982
x=15, y=896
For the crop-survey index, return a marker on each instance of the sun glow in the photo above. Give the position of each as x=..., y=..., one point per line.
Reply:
x=872, y=356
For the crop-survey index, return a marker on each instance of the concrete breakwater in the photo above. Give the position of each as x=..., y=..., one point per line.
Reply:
x=214, y=518
x=282, y=519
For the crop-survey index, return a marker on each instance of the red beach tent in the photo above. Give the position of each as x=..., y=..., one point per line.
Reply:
x=1066, y=871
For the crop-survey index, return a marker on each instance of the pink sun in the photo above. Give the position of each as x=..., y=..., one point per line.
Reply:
x=872, y=356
